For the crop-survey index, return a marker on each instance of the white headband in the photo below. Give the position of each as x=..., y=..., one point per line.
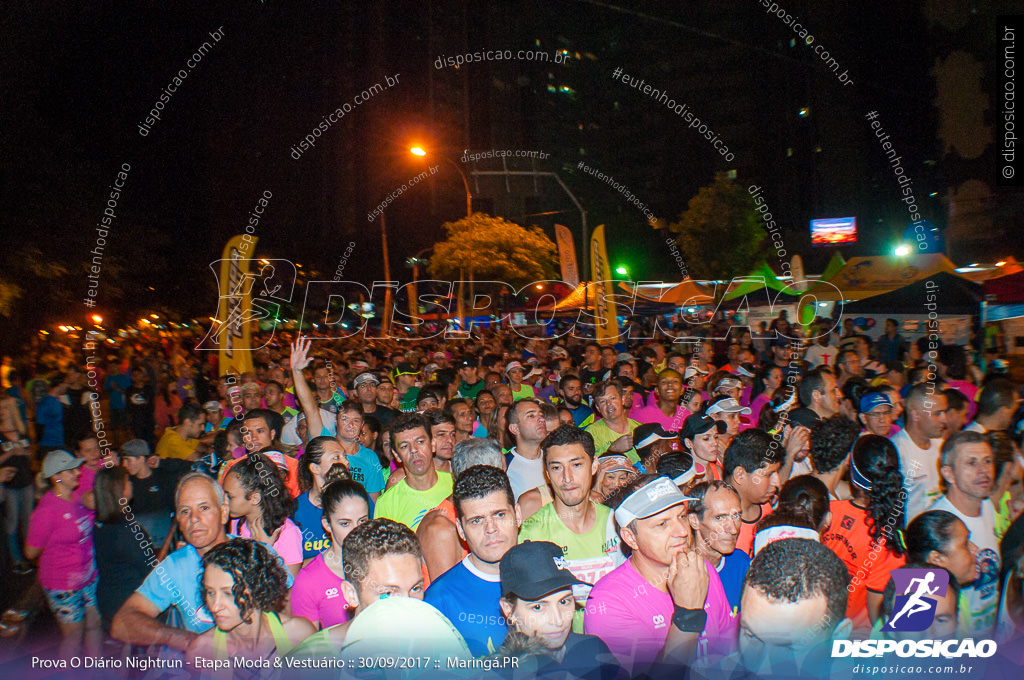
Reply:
x=772, y=534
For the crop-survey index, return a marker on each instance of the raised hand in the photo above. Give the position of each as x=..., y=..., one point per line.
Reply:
x=300, y=353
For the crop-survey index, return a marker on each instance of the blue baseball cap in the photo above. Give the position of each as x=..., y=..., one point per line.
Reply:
x=869, y=402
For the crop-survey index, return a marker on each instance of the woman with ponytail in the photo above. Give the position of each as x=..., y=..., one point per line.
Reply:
x=867, y=530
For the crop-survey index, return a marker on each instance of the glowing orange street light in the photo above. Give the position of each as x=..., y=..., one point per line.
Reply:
x=97, y=319
x=417, y=151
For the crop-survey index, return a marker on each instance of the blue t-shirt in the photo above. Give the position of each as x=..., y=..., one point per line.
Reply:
x=469, y=599
x=364, y=467
x=732, y=570
x=177, y=581
x=117, y=397
x=50, y=414
x=580, y=414
x=314, y=539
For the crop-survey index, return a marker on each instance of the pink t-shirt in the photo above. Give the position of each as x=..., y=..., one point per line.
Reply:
x=317, y=595
x=756, y=404
x=633, y=617
x=288, y=544
x=653, y=414
x=63, y=531
x=86, y=482
x=971, y=392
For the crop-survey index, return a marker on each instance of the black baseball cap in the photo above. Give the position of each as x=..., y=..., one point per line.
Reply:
x=534, y=569
x=405, y=368
x=698, y=424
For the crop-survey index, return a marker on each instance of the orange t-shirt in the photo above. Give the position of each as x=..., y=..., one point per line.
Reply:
x=745, y=541
x=848, y=538
x=289, y=464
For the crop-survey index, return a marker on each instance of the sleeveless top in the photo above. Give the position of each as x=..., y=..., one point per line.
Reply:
x=281, y=641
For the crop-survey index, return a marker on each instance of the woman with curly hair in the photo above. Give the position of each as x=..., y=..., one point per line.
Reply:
x=867, y=532
x=260, y=507
x=246, y=590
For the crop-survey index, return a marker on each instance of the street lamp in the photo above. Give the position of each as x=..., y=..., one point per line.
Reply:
x=622, y=271
x=901, y=251
x=419, y=151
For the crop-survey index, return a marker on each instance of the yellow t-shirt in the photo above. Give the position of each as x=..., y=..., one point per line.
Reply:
x=171, y=445
x=605, y=436
x=404, y=504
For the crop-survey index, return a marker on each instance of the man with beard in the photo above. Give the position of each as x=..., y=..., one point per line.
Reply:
x=667, y=410
x=488, y=521
x=571, y=391
x=919, y=444
x=584, y=529
x=715, y=518
x=424, y=486
x=614, y=432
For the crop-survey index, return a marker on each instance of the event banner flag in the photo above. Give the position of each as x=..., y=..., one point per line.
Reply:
x=234, y=310
x=567, y=255
x=601, y=272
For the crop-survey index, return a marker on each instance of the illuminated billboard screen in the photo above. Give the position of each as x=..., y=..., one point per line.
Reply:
x=833, y=231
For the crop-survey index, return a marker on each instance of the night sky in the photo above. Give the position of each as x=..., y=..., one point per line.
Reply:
x=77, y=79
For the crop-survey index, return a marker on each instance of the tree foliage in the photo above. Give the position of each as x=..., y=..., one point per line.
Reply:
x=493, y=248
x=719, y=233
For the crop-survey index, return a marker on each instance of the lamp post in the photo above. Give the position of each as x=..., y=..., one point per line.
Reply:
x=420, y=151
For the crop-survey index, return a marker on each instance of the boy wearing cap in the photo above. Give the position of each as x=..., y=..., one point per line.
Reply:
x=584, y=529
x=470, y=382
x=406, y=375
x=665, y=604
x=537, y=602
x=614, y=432
x=365, y=388
x=152, y=488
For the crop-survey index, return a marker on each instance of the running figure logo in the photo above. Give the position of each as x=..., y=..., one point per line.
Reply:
x=915, y=599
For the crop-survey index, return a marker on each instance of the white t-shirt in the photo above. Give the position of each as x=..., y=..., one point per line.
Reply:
x=983, y=594
x=816, y=355
x=525, y=473
x=920, y=468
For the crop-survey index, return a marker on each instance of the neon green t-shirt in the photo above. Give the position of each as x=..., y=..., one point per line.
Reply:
x=589, y=556
x=605, y=436
x=405, y=504
x=524, y=392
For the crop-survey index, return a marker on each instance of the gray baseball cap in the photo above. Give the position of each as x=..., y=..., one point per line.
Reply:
x=138, y=448
x=58, y=461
